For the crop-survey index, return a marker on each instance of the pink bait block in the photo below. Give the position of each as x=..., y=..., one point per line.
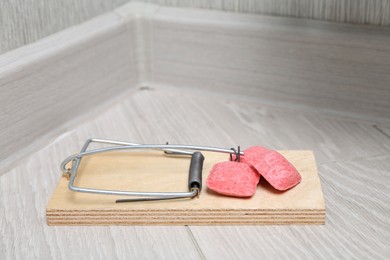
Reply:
x=233, y=179
x=276, y=169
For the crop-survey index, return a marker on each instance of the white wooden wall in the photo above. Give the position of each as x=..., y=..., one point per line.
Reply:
x=334, y=69
x=23, y=22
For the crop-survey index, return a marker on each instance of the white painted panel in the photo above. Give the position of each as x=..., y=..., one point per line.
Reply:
x=334, y=68
x=25, y=22
x=47, y=84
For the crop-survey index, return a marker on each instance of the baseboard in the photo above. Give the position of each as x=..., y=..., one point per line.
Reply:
x=335, y=69
x=51, y=82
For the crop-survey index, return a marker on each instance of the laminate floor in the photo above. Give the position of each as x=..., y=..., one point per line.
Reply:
x=354, y=166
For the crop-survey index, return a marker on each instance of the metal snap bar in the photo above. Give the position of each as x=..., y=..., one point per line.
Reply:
x=194, y=178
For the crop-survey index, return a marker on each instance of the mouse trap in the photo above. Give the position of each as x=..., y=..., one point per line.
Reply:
x=134, y=184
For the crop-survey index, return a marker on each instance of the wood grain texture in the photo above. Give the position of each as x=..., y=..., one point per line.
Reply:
x=355, y=192
x=333, y=68
x=227, y=122
x=353, y=158
x=384, y=130
x=24, y=22
x=357, y=225
x=154, y=172
x=257, y=58
x=24, y=194
x=139, y=17
x=46, y=85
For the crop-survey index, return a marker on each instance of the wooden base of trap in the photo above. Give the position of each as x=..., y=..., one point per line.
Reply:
x=154, y=171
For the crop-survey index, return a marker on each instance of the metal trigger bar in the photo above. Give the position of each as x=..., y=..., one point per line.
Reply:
x=194, y=178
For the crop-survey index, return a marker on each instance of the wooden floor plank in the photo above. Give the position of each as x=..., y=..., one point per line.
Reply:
x=156, y=117
x=357, y=226
x=215, y=120
x=25, y=191
x=384, y=130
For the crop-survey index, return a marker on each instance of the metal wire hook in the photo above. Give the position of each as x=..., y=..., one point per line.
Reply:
x=237, y=153
x=195, y=174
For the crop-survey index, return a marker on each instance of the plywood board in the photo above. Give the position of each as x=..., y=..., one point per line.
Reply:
x=153, y=171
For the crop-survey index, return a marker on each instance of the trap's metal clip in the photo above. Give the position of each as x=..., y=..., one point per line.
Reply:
x=194, y=177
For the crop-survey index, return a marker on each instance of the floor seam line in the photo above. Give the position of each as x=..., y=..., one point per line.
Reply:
x=198, y=249
x=381, y=131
